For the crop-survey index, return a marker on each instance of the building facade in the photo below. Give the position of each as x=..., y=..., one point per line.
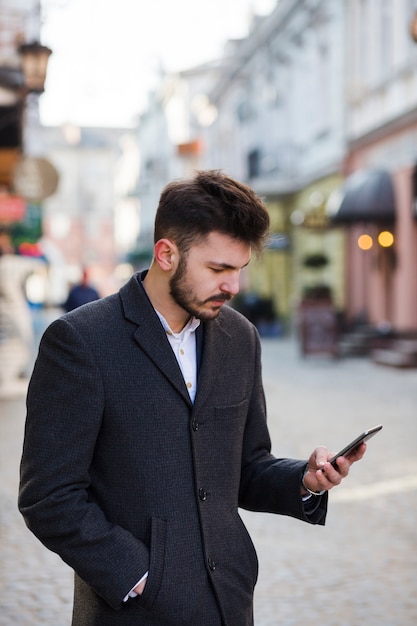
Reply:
x=317, y=96
x=381, y=128
x=280, y=127
x=20, y=88
x=170, y=141
x=92, y=220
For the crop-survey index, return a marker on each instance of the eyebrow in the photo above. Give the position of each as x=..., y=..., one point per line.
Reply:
x=226, y=266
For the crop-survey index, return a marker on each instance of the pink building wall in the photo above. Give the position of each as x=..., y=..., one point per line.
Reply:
x=405, y=288
x=383, y=282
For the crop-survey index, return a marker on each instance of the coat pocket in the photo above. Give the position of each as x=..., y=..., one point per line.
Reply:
x=156, y=562
x=249, y=547
x=232, y=412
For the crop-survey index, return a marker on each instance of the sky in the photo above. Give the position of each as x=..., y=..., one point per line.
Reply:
x=106, y=53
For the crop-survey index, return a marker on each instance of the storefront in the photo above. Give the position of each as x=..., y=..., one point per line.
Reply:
x=377, y=209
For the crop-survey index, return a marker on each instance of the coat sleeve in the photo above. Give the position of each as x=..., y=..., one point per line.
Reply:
x=268, y=483
x=64, y=411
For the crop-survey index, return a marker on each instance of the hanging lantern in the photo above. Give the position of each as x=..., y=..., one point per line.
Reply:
x=34, y=65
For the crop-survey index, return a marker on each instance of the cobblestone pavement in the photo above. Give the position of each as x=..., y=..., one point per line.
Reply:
x=360, y=568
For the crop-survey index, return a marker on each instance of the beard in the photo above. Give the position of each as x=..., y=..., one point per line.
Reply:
x=184, y=295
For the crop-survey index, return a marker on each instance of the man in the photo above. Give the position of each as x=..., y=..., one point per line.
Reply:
x=146, y=429
x=81, y=293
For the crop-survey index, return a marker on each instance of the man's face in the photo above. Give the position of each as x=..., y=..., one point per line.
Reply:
x=208, y=275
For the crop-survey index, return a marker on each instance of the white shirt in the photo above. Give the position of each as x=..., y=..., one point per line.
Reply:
x=184, y=347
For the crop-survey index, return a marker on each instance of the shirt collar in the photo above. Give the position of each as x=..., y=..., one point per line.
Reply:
x=190, y=327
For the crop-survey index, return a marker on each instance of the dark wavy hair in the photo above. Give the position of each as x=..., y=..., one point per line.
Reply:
x=190, y=209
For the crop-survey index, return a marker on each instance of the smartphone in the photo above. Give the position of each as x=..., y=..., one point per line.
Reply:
x=355, y=443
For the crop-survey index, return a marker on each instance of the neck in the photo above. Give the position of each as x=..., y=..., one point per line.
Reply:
x=158, y=292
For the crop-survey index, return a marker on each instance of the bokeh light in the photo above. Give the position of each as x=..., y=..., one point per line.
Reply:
x=385, y=239
x=365, y=242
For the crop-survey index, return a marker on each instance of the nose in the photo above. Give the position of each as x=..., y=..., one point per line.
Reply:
x=231, y=284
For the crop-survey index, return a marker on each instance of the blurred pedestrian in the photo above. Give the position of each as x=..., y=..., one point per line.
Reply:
x=146, y=429
x=81, y=293
x=16, y=324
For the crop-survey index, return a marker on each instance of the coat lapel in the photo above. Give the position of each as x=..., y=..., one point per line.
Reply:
x=216, y=345
x=150, y=335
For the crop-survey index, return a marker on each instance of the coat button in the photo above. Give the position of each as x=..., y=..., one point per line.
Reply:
x=211, y=564
x=202, y=494
x=194, y=425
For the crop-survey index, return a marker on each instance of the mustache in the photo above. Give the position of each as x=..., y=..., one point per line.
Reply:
x=221, y=297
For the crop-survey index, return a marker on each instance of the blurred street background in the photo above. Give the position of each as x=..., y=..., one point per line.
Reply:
x=313, y=103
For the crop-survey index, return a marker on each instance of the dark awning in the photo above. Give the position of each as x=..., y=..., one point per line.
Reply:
x=366, y=196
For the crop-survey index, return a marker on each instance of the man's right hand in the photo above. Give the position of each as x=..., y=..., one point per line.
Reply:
x=139, y=588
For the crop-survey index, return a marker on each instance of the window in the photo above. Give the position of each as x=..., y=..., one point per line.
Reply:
x=254, y=163
x=386, y=39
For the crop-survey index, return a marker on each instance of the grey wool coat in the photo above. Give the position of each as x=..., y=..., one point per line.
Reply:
x=121, y=474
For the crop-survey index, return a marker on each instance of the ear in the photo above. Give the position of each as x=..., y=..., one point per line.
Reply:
x=166, y=254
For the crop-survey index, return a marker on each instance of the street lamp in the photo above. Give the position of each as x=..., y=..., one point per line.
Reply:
x=34, y=58
x=30, y=76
